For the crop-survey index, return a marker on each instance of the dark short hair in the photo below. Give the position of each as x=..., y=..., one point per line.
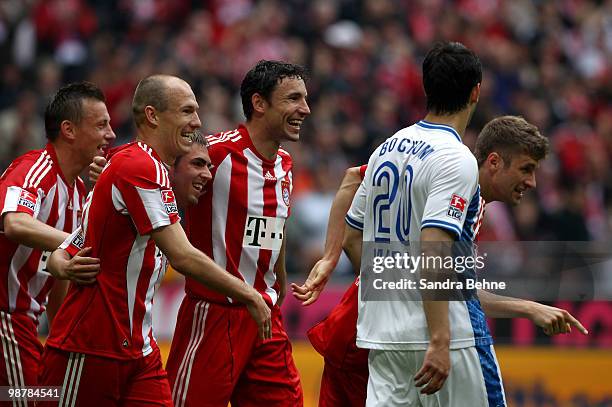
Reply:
x=67, y=104
x=151, y=91
x=450, y=72
x=509, y=136
x=263, y=78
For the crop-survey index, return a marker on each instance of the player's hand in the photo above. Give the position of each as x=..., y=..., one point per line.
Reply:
x=80, y=269
x=435, y=369
x=96, y=167
x=314, y=284
x=554, y=320
x=262, y=315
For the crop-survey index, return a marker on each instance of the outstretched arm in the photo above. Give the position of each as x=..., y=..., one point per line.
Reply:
x=314, y=284
x=551, y=319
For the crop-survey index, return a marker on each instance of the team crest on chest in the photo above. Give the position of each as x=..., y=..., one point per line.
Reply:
x=285, y=191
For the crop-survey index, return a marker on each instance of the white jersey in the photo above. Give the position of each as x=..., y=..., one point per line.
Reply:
x=422, y=176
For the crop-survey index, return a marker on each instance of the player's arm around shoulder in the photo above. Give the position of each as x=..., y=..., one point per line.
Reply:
x=189, y=261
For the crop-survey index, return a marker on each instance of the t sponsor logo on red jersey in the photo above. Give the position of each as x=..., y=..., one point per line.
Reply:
x=27, y=200
x=263, y=232
x=169, y=201
x=285, y=191
x=456, y=207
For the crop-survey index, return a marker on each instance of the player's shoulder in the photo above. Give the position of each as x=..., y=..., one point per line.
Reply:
x=32, y=168
x=137, y=160
x=284, y=155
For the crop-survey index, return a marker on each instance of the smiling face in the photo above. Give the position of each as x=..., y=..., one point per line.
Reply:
x=510, y=182
x=286, y=109
x=180, y=120
x=190, y=174
x=93, y=135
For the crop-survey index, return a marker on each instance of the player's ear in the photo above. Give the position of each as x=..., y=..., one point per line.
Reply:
x=151, y=115
x=259, y=103
x=495, y=161
x=68, y=130
x=475, y=94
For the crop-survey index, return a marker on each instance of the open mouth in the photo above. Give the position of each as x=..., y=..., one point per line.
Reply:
x=102, y=149
x=189, y=135
x=198, y=186
x=295, y=123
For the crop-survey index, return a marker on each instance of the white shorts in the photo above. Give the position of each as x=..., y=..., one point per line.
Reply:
x=474, y=379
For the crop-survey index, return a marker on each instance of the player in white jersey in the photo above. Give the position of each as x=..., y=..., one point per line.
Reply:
x=508, y=151
x=421, y=186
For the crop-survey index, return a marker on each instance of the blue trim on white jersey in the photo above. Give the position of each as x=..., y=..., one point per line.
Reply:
x=355, y=224
x=436, y=126
x=490, y=374
x=482, y=336
x=467, y=234
x=443, y=225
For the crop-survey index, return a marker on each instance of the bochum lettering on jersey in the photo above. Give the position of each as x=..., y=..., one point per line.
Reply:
x=418, y=147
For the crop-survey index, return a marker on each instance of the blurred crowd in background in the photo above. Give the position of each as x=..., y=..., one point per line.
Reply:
x=549, y=61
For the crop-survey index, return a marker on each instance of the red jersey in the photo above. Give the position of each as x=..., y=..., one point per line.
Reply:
x=239, y=220
x=112, y=317
x=34, y=184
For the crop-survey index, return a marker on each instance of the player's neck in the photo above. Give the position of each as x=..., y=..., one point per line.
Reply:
x=68, y=161
x=458, y=121
x=486, y=192
x=264, y=145
x=156, y=143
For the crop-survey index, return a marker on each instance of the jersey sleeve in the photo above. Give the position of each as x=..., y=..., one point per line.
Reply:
x=454, y=180
x=143, y=192
x=74, y=242
x=19, y=187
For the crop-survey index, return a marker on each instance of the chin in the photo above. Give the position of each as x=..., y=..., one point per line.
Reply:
x=292, y=137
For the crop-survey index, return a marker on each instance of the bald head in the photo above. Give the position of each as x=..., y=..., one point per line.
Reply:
x=153, y=91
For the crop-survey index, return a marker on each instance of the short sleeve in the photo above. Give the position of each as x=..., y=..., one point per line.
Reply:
x=143, y=193
x=19, y=187
x=74, y=242
x=454, y=181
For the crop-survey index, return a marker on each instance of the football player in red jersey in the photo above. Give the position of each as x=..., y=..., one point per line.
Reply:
x=42, y=197
x=101, y=348
x=504, y=175
x=216, y=356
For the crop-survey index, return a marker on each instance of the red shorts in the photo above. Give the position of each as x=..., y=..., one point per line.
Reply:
x=20, y=351
x=335, y=337
x=343, y=387
x=345, y=375
x=92, y=381
x=217, y=357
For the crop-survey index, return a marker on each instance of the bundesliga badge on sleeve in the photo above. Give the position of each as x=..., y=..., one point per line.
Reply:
x=456, y=207
x=27, y=201
x=169, y=201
